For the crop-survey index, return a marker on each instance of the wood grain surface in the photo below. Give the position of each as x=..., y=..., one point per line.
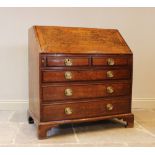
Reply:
x=92, y=92
x=84, y=75
x=84, y=91
x=80, y=40
x=85, y=109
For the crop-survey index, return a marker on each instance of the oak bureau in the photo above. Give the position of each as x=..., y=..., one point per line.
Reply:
x=78, y=75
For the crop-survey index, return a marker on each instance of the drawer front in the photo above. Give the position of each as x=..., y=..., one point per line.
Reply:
x=79, y=91
x=109, y=61
x=84, y=75
x=83, y=109
x=53, y=61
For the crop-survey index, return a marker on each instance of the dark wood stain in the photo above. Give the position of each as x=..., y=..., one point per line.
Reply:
x=84, y=75
x=88, y=50
x=79, y=91
x=86, y=109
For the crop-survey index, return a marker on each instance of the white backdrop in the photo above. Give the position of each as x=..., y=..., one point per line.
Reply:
x=137, y=25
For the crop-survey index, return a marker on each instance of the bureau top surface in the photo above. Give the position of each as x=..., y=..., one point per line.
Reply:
x=72, y=40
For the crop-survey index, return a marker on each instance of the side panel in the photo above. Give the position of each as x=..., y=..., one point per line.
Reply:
x=33, y=59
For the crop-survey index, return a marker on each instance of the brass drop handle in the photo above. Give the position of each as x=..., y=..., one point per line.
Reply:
x=110, y=74
x=68, y=75
x=68, y=92
x=109, y=107
x=68, y=62
x=110, y=61
x=68, y=111
x=110, y=90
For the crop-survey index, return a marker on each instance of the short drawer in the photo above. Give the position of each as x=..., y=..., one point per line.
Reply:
x=84, y=75
x=85, y=109
x=81, y=91
x=54, y=61
x=110, y=60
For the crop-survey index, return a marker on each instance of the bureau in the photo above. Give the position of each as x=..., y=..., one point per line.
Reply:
x=78, y=75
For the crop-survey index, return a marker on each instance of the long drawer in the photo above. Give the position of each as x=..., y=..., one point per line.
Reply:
x=85, y=109
x=84, y=90
x=84, y=75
